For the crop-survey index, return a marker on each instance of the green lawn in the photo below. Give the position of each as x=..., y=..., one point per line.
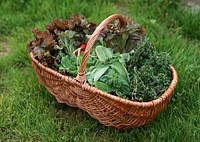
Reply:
x=29, y=113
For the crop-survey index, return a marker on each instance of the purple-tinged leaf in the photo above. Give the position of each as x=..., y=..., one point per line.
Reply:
x=51, y=27
x=38, y=34
x=48, y=42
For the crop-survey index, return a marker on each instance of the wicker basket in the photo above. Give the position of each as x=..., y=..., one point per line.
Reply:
x=110, y=110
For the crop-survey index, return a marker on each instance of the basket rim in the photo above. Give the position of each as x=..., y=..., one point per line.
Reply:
x=164, y=97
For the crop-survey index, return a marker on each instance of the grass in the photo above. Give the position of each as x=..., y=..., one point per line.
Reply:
x=29, y=113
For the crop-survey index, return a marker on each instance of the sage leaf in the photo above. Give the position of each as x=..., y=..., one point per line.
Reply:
x=99, y=73
x=103, y=53
x=108, y=52
x=126, y=56
x=121, y=70
x=102, y=86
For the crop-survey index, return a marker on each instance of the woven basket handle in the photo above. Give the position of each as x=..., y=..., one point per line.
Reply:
x=81, y=74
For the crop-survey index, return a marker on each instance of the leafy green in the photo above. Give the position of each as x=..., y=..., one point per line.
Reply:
x=123, y=61
x=103, y=86
x=108, y=73
x=69, y=64
x=61, y=38
x=123, y=39
x=142, y=74
x=116, y=82
x=121, y=69
x=76, y=23
x=100, y=72
x=42, y=39
x=103, y=53
x=149, y=72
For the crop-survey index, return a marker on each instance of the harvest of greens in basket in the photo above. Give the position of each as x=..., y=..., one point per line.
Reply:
x=123, y=61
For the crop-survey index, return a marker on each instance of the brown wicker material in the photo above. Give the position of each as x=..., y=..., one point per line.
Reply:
x=110, y=110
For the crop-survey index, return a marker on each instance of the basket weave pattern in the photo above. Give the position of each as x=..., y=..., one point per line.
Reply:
x=110, y=110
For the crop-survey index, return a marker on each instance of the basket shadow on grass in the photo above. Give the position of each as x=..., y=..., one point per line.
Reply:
x=73, y=116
